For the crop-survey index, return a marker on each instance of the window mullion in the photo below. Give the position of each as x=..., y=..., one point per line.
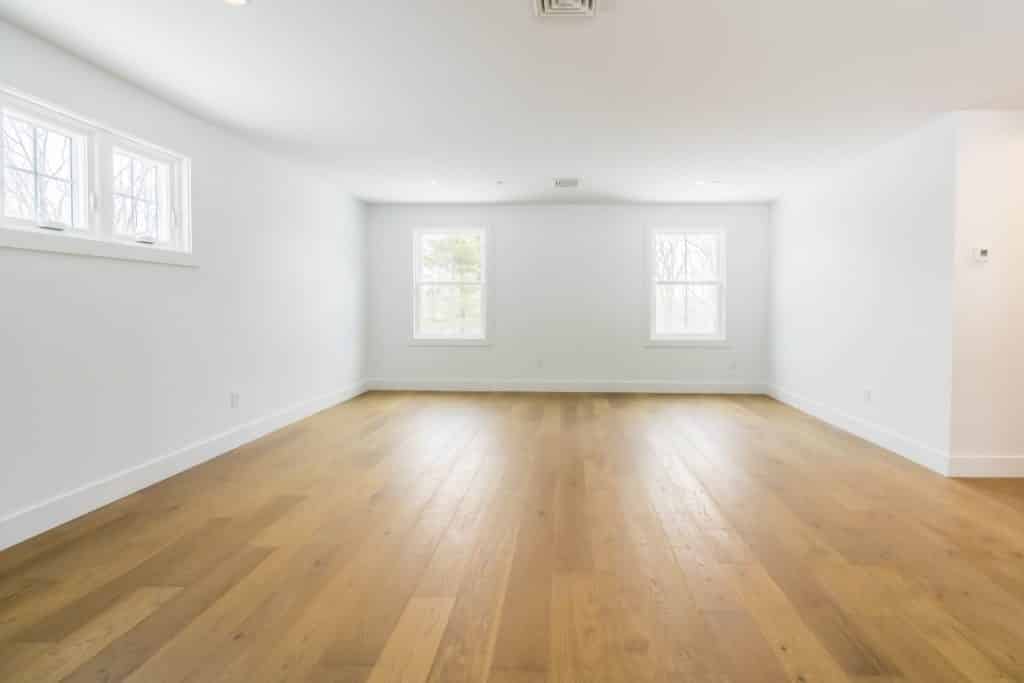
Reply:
x=35, y=174
x=104, y=185
x=71, y=188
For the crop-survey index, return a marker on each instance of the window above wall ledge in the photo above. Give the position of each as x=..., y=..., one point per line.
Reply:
x=71, y=186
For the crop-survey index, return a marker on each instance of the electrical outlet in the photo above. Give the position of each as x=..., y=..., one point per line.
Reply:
x=236, y=399
x=869, y=396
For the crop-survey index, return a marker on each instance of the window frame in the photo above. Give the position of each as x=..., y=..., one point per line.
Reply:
x=96, y=236
x=719, y=338
x=165, y=164
x=418, y=339
x=82, y=140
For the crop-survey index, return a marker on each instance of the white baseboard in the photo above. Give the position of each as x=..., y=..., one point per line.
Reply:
x=985, y=466
x=911, y=449
x=33, y=520
x=566, y=386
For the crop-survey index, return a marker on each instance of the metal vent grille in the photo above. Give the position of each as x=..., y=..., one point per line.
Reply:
x=555, y=8
x=567, y=182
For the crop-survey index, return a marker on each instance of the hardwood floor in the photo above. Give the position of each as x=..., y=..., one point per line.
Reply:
x=525, y=538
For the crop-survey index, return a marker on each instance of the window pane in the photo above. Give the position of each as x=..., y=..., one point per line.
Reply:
x=54, y=153
x=680, y=256
x=701, y=257
x=56, y=205
x=149, y=183
x=138, y=178
x=669, y=257
x=124, y=223
x=163, y=224
x=686, y=310
x=18, y=144
x=19, y=194
x=450, y=311
x=450, y=258
x=122, y=174
x=146, y=222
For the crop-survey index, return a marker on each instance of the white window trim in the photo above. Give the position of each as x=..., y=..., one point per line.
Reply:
x=96, y=236
x=416, y=339
x=83, y=137
x=655, y=340
x=172, y=168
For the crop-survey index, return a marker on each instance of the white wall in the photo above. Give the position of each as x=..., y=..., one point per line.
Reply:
x=568, y=300
x=988, y=343
x=107, y=365
x=862, y=294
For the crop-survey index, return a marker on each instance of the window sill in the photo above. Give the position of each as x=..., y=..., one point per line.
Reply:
x=449, y=342
x=80, y=245
x=688, y=344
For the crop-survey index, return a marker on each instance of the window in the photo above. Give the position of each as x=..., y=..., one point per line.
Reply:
x=44, y=174
x=76, y=187
x=449, y=285
x=141, y=189
x=687, y=285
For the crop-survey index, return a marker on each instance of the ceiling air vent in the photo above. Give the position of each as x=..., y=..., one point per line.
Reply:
x=557, y=8
x=567, y=182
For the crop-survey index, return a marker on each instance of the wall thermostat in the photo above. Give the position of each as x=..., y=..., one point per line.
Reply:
x=981, y=254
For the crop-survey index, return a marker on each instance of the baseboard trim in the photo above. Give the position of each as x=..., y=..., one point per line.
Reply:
x=31, y=521
x=911, y=449
x=987, y=466
x=566, y=386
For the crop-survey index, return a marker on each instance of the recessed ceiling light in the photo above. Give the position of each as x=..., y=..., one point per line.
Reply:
x=236, y=3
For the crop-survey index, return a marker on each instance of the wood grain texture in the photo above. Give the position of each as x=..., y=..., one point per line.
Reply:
x=528, y=538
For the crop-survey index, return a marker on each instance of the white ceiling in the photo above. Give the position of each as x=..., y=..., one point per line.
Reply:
x=438, y=100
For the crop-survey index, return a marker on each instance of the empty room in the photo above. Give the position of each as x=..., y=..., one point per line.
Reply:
x=511, y=341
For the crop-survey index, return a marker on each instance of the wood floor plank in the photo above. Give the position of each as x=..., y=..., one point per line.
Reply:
x=795, y=644
x=750, y=659
x=131, y=650
x=528, y=538
x=307, y=633
x=467, y=647
x=54, y=661
x=179, y=565
x=522, y=643
x=409, y=653
x=580, y=642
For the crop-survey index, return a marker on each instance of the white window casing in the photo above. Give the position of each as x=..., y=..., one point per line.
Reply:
x=687, y=289
x=157, y=196
x=449, y=286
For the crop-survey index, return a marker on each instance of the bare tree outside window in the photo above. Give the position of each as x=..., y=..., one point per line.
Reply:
x=139, y=187
x=687, y=285
x=39, y=174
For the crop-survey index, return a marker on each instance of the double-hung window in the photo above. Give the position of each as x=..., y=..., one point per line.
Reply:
x=687, y=286
x=449, y=285
x=73, y=186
